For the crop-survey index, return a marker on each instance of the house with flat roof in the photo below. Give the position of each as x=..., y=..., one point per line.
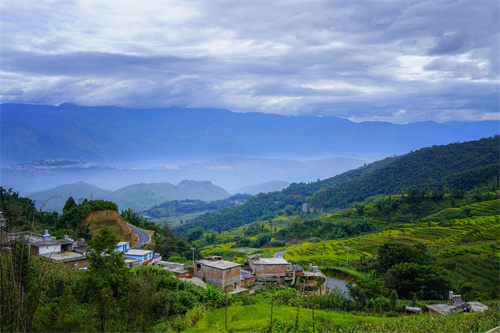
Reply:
x=269, y=269
x=222, y=274
x=70, y=259
x=51, y=246
x=122, y=247
x=145, y=257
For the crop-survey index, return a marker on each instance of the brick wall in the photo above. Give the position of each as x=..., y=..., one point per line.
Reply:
x=220, y=278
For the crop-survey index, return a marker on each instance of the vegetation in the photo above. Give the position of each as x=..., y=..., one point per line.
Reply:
x=187, y=206
x=409, y=247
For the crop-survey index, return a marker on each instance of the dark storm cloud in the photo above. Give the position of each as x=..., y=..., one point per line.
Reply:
x=398, y=61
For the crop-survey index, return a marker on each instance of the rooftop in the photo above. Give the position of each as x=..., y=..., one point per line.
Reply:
x=52, y=242
x=138, y=252
x=122, y=243
x=220, y=264
x=63, y=257
x=270, y=261
x=445, y=309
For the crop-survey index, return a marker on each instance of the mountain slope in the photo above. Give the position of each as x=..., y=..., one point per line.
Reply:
x=426, y=167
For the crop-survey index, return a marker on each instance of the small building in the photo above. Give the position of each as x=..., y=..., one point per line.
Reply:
x=122, y=247
x=247, y=279
x=314, y=283
x=131, y=263
x=145, y=257
x=222, y=274
x=51, y=246
x=299, y=271
x=70, y=259
x=268, y=269
x=444, y=309
x=180, y=270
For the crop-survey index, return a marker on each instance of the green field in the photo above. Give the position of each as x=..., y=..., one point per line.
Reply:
x=255, y=318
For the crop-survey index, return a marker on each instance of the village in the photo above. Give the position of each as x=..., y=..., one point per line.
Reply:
x=256, y=272
x=223, y=275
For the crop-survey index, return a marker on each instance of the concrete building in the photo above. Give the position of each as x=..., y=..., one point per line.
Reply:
x=70, y=259
x=444, y=309
x=122, y=247
x=222, y=274
x=145, y=257
x=314, y=283
x=51, y=246
x=247, y=279
x=180, y=270
x=268, y=269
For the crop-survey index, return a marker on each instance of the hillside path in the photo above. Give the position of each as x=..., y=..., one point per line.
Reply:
x=142, y=235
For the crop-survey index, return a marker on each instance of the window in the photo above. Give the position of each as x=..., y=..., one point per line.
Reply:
x=228, y=272
x=198, y=267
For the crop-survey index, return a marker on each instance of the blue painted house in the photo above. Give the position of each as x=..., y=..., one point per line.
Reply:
x=122, y=247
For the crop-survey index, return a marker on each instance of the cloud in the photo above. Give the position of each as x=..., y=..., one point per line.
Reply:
x=359, y=60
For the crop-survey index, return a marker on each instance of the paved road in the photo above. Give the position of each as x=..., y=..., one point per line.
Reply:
x=280, y=254
x=142, y=235
x=333, y=283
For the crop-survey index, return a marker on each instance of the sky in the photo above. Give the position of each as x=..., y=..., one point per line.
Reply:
x=396, y=61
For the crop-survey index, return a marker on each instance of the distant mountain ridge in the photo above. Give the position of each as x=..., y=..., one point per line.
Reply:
x=111, y=134
x=138, y=196
x=229, y=172
x=275, y=185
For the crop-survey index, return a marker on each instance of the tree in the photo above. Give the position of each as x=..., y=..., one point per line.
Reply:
x=107, y=268
x=360, y=208
x=70, y=203
x=425, y=281
x=392, y=253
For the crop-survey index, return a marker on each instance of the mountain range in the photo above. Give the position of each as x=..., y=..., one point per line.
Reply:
x=139, y=137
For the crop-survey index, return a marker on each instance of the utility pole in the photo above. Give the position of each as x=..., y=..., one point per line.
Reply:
x=347, y=249
x=192, y=248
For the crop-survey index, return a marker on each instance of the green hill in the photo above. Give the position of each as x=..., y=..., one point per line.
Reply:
x=55, y=198
x=460, y=165
x=139, y=197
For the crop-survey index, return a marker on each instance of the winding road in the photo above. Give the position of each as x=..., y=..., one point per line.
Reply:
x=142, y=235
x=280, y=254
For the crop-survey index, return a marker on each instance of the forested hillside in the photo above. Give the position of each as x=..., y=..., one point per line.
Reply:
x=193, y=206
x=460, y=166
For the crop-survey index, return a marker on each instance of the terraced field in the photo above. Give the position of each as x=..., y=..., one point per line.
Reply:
x=438, y=235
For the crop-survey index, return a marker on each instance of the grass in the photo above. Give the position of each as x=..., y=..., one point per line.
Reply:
x=255, y=318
